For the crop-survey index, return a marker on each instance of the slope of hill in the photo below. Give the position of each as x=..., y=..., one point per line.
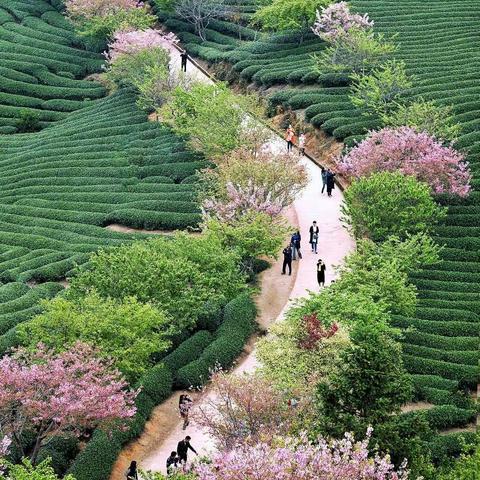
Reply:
x=42, y=65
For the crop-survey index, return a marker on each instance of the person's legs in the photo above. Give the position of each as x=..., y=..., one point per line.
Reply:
x=284, y=267
x=323, y=187
x=294, y=257
x=289, y=267
x=299, y=253
x=315, y=244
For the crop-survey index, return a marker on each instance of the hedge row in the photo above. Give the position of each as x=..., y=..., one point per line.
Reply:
x=230, y=338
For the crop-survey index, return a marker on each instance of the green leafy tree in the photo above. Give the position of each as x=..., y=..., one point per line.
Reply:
x=467, y=467
x=127, y=331
x=356, y=53
x=377, y=92
x=387, y=203
x=209, y=115
x=134, y=69
x=281, y=15
x=380, y=271
x=370, y=386
x=425, y=116
x=252, y=236
x=26, y=471
x=181, y=275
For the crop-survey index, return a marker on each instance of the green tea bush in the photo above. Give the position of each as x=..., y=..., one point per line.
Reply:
x=385, y=204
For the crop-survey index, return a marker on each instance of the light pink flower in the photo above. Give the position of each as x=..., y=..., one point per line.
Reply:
x=336, y=20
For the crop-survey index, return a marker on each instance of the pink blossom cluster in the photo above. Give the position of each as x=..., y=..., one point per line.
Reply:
x=132, y=42
x=93, y=8
x=73, y=390
x=336, y=20
x=5, y=443
x=242, y=200
x=412, y=153
x=342, y=459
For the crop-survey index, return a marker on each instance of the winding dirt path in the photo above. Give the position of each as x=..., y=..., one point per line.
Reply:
x=164, y=429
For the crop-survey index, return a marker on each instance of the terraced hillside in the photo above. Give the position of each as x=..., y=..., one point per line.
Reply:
x=42, y=65
x=60, y=187
x=438, y=40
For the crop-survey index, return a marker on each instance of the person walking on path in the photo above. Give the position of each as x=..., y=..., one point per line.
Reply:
x=301, y=143
x=290, y=138
x=313, y=229
x=184, y=58
x=182, y=449
x=298, y=239
x=172, y=463
x=131, y=473
x=292, y=244
x=324, y=179
x=287, y=260
x=330, y=182
x=184, y=405
x=321, y=267
x=314, y=242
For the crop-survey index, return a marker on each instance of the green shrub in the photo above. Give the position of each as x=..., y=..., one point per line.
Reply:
x=238, y=325
x=188, y=350
x=96, y=460
x=385, y=204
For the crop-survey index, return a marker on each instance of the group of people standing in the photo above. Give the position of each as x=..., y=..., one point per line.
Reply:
x=292, y=250
x=291, y=138
x=328, y=181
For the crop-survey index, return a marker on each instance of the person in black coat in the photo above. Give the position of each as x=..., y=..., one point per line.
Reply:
x=172, y=462
x=330, y=182
x=313, y=229
x=287, y=260
x=184, y=58
x=131, y=473
x=182, y=449
x=321, y=267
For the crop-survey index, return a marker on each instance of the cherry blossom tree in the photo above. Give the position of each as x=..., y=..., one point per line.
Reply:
x=336, y=20
x=51, y=394
x=412, y=153
x=342, y=459
x=131, y=42
x=241, y=200
x=243, y=408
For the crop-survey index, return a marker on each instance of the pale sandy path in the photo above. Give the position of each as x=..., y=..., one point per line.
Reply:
x=334, y=244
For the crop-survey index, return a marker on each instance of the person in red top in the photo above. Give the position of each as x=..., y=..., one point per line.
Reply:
x=290, y=138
